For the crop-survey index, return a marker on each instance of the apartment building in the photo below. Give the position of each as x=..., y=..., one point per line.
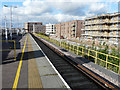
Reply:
x=29, y=26
x=103, y=28
x=50, y=29
x=69, y=30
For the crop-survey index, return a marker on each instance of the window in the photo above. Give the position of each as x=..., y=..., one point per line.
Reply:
x=116, y=39
x=111, y=33
x=110, y=39
x=92, y=21
x=117, y=33
x=100, y=33
x=112, y=25
x=112, y=18
x=88, y=22
x=118, y=18
x=86, y=32
x=91, y=26
x=100, y=26
x=91, y=32
x=100, y=20
x=117, y=25
x=86, y=27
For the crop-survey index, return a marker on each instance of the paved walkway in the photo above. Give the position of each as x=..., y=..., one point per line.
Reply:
x=32, y=69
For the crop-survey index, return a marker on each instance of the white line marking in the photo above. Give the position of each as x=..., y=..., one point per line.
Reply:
x=52, y=65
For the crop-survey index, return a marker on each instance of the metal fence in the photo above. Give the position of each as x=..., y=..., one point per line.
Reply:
x=105, y=60
x=10, y=49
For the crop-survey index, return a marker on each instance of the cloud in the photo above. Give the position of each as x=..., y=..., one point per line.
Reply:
x=52, y=11
x=36, y=7
x=97, y=8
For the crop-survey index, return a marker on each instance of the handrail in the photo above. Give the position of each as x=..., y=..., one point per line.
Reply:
x=10, y=48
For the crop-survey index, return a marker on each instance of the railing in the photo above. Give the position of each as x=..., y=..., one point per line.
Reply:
x=108, y=61
x=14, y=49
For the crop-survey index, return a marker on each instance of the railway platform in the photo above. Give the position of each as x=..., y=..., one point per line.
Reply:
x=31, y=69
x=33, y=62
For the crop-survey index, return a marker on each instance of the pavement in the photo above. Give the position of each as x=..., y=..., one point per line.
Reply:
x=32, y=69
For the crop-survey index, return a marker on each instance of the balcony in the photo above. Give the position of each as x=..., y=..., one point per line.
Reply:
x=72, y=25
x=73, y=28
x=113, y=28
x=105, y=28
x=114, y=21
x=73, y=32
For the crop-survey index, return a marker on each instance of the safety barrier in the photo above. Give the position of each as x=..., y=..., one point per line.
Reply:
x=14, y=49
x=108, y=61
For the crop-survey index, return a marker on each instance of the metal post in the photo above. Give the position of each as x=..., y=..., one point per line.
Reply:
x=6, y=29
x=11, y=22
x=88, y=54
x=106, y=60
x=77, y=50
x=96, y=58
x=17, y=26
x=82, y=51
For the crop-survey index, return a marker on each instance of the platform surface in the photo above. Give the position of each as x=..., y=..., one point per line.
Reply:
x=32, y=69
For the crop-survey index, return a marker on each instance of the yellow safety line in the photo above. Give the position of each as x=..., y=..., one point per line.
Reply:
x=19, y=68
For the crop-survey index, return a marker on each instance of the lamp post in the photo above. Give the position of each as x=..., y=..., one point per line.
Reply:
x=10, y=18
x=6, y=29
x=17, y=26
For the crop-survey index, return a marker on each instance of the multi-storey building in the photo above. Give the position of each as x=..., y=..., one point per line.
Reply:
x=103, y=28
x=50, y=29
x=38, y=28
x=69, y=30
x=29, y=26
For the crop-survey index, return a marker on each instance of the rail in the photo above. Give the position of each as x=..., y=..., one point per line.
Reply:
x=108, y=61
x=10, y=47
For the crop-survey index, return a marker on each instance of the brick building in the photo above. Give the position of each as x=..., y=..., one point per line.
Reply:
x=69, y=30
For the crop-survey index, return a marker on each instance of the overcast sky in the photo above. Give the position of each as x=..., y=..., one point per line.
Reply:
x=55, y=11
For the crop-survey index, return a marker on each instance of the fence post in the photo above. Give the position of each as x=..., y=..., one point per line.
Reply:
x=77, y=50
x=73, y=48
x=88, y=54
x=82, y=51
x=119, y=68
x=96, y=58
x=65, y=45
x=60, y=43
x=68, y=46
x=106, y=61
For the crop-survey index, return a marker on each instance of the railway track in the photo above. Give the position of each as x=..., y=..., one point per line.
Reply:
x=72, y=75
